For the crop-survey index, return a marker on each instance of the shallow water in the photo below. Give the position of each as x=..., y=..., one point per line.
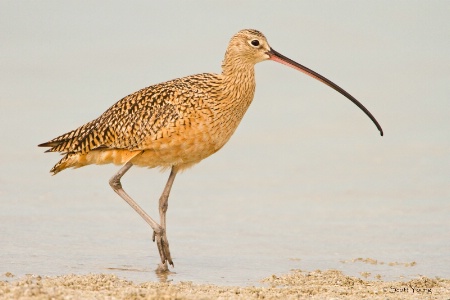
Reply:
x=225, y=227
x=305, y=183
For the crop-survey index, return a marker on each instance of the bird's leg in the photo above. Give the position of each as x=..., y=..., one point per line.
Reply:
x=161, y=238
x=157, y=229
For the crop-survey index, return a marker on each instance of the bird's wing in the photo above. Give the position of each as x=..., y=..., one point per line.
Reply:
x=134, y=118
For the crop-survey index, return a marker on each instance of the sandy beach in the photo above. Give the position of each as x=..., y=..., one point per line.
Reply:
x=330, y=284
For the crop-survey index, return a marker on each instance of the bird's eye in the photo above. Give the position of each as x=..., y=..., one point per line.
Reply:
x=255, y=43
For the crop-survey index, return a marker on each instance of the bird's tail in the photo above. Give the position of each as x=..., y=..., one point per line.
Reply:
x=69, y=160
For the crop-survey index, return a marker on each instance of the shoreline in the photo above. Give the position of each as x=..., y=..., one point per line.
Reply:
x=329, y=284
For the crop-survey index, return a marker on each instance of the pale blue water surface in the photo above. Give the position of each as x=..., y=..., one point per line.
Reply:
x=306, y=182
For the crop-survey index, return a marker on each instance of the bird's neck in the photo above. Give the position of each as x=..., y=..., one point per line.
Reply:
x=237, y=91
x=235, y=66
x=238, y=86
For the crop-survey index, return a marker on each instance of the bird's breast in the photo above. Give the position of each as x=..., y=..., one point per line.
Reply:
x=184, y=143
x=200, y=131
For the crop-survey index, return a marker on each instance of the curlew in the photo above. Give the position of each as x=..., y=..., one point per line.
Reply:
x=175, y=124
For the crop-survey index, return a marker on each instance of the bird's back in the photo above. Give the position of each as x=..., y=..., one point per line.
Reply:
x=167, y=123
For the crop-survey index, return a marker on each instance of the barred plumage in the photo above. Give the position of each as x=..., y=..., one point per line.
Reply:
x=138, y=120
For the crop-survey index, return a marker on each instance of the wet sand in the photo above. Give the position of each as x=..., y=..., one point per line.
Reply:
x=330, y=284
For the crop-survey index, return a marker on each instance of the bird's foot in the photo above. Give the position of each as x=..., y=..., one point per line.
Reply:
x=163, y=248
x=162, y=268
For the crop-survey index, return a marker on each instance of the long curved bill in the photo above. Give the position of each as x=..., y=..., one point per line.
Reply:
x=275, y=56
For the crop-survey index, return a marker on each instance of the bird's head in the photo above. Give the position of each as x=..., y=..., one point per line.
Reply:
x=248, y=46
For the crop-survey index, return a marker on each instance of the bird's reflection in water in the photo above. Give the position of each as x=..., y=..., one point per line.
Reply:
x=164, y=276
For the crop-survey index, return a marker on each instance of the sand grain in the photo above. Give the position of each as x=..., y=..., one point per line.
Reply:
x=331, y=284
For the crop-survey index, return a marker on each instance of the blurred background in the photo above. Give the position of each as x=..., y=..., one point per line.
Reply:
x=305, y=183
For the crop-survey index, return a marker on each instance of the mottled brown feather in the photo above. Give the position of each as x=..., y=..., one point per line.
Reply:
x=178, y=122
